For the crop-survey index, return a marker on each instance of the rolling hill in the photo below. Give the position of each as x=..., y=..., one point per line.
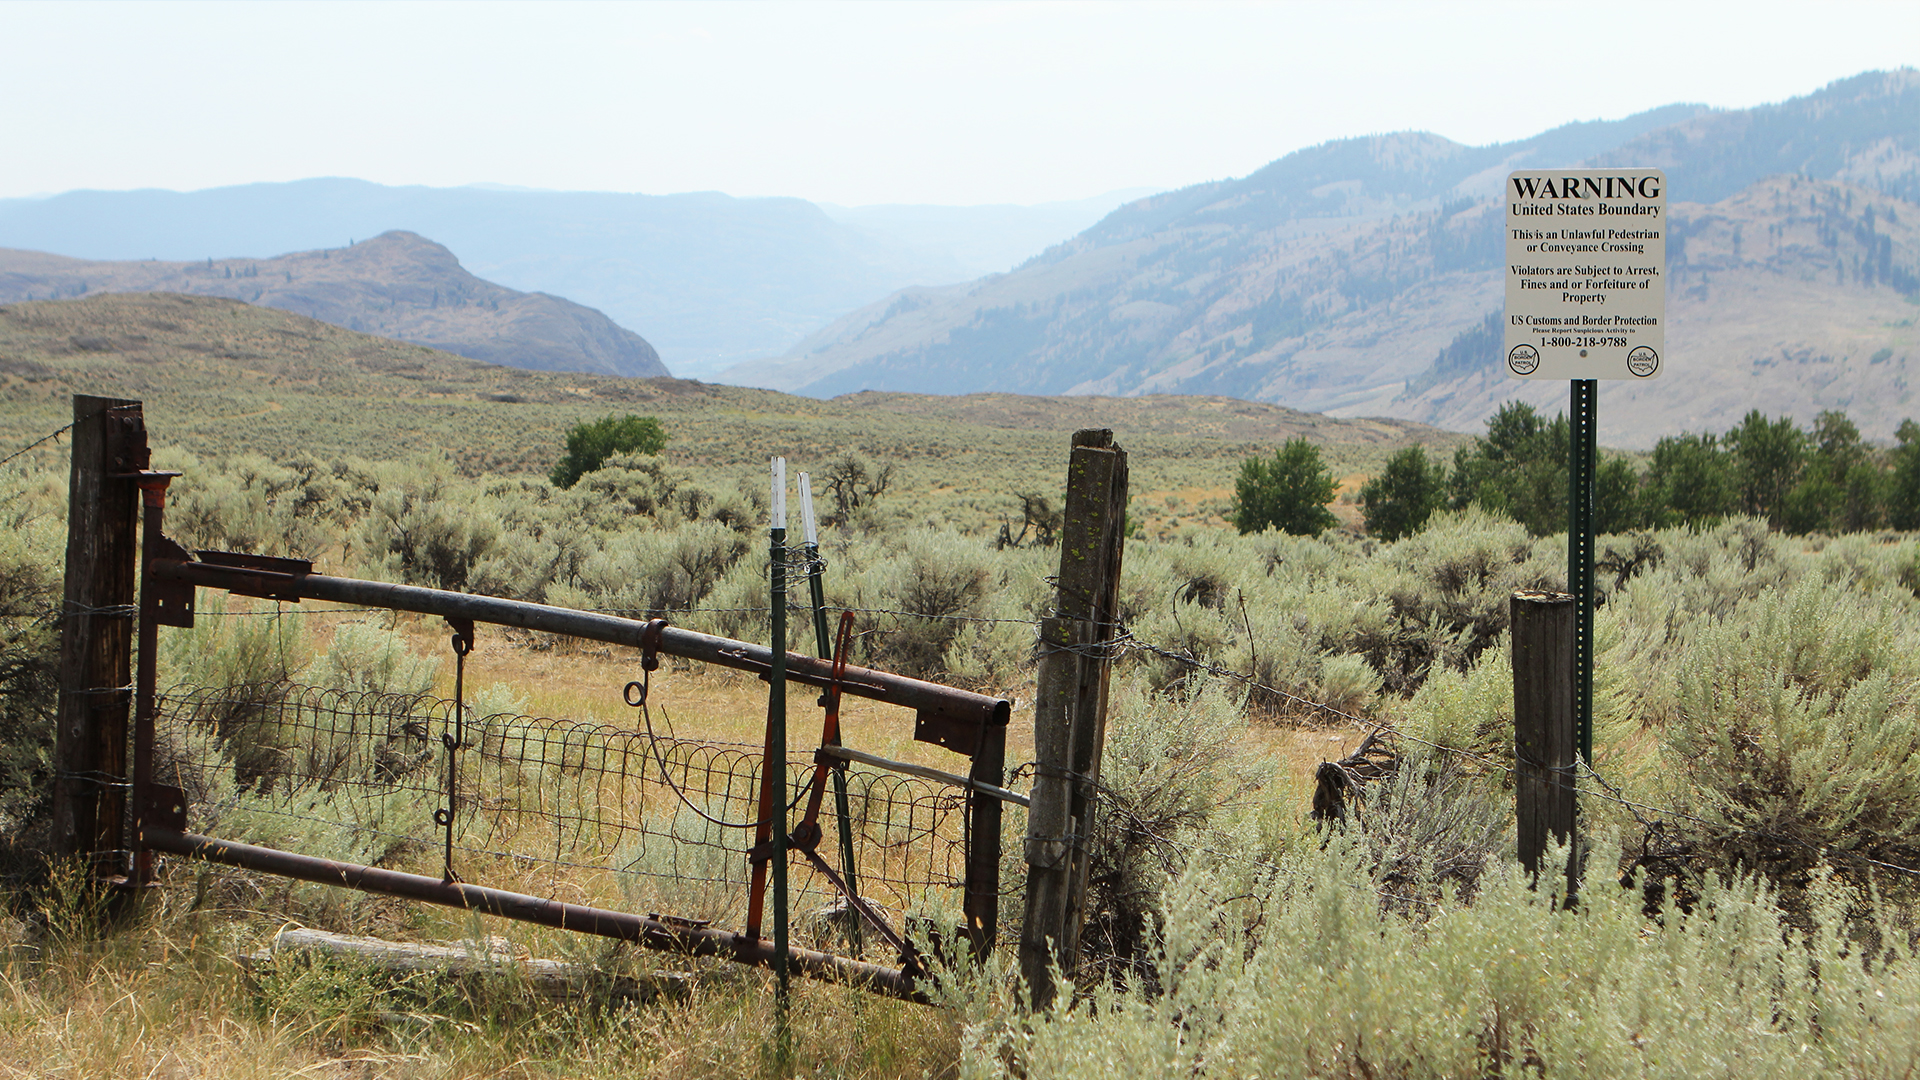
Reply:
x=225, y=378
x=397, y=285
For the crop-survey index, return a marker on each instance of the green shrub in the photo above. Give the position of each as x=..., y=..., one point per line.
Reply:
x=1168, y=776
x=1448, y=591
x=650, y=573
x=1399, y=501
x=30, y=605
x=1797, y=729
x=933, y=578
x=1289, y=493
x=589, y=445
x=629, y=486
x=420, y=532
x=233, y=644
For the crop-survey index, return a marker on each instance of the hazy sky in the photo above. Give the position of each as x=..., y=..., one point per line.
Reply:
x=860, y=103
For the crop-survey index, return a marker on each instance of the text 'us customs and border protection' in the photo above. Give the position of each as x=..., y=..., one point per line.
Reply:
x=1586, y=274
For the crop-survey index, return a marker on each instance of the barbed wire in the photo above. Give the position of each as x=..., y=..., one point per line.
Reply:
x=44, y=438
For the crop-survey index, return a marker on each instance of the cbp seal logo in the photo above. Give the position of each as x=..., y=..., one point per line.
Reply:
x=1524, y=359
x=1643, y=361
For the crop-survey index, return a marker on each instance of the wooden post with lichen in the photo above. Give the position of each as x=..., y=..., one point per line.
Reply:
x=90, y=774
x=1070, y=711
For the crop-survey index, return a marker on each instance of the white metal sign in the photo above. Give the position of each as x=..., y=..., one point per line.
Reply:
x=1586, y=274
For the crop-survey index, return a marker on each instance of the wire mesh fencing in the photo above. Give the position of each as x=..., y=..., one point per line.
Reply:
x=574, y=810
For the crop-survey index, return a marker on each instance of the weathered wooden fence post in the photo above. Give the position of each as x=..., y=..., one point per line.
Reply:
x=1070, y=710
x=1543, y=724
x=91, y=778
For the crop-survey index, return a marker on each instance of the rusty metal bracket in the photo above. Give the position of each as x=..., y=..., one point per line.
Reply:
x=650, y=644
x=173, y=599
x=163, y=807
x=957, y=734
x=126, y=438
x=172, y=602
x=271, y=577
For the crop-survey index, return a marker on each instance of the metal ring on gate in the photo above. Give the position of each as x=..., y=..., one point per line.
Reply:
x=635, y=693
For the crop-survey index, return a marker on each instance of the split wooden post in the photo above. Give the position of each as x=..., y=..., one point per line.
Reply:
x=90, y=774
x=1543, y=724
x=1070, y=710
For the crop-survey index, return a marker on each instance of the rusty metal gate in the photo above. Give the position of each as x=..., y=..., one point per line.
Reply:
x=616, y=830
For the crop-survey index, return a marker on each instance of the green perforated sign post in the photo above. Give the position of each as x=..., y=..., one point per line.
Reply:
x=1586, y=300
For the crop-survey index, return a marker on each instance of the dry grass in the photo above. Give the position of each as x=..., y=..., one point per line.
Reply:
x=162, y=996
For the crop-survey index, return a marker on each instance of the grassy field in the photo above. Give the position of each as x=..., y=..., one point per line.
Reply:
x=1756, y=780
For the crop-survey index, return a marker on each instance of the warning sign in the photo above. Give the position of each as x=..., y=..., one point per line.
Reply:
x=1586, y=274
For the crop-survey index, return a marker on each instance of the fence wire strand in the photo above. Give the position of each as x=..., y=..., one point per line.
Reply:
x=48, y=437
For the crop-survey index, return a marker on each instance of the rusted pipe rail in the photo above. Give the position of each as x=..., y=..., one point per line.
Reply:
x=645, y=931
x=944, y=703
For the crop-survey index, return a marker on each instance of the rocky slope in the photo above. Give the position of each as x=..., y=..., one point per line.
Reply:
x=1790, y=297
x=1333, y=279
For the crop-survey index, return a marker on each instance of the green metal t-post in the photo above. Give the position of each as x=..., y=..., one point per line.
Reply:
x=776, y=763
x=1581, y=422
x=817, y=592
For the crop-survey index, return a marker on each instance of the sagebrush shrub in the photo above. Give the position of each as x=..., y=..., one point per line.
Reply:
x=1168, y=775
x=1796, y=729
x=369, y=658
x=1316, y=974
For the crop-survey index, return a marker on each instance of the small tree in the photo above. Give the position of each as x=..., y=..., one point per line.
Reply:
x=1903, y=486
x=1616, y=496
x=852, y=483
x=1690, y=480
x=1289, y=493
x=1767, y=458
x=1842, y=488
x=589, y=445
x=1399, y=501
x=1518, y=469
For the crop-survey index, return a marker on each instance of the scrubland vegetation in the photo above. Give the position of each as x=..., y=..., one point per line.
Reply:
x=1749, y=899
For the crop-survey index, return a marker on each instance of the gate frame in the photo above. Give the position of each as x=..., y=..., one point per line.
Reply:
x=970, y=724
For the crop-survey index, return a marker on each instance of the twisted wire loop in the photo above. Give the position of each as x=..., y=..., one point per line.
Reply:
x=576, y=810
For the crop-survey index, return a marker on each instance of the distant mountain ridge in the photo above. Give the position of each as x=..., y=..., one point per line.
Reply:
x=1236, y=223
x=1333, y=278
x=1371, y=177
x=709, y=278
x=396, y=285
